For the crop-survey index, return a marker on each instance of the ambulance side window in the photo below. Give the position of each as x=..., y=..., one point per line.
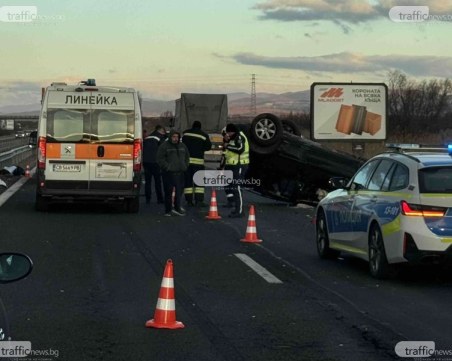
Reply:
x=114, y=126
x=66, y=125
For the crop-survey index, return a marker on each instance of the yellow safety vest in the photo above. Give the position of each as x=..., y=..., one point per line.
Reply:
x=234, y=158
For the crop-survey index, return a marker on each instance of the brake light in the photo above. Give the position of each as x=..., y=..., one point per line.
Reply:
x=417, y=210
x=42, y=153
x=137, y=155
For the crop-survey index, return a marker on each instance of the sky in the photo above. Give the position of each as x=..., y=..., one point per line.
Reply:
x=166, y=47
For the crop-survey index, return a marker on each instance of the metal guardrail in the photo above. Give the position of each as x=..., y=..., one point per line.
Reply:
x=14, y=156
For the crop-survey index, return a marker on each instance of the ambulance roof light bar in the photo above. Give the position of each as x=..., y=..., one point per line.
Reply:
x=89, y=82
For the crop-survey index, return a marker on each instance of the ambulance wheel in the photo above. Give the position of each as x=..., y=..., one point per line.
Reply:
x=42, y=204
x=133, y=205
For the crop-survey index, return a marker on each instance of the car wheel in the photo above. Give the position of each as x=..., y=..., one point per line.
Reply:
x=266, y=129
x=290, y=127
x=322, y=239
x=378, y=263
x=42, y=204
x=133, y=205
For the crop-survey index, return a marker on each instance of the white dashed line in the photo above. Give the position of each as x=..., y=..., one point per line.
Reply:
x=256, y=267
x=14, y=188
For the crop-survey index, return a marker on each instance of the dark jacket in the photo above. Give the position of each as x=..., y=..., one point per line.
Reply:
x=173, y=157
x=197, y=143
x=150, y=146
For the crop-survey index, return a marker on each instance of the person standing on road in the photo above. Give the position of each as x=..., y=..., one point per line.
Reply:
x=197, y=142
x=151, y=168
x=237, y=160
x=173, y=158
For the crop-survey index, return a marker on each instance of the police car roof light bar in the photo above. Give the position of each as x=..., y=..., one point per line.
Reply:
x=405, y=148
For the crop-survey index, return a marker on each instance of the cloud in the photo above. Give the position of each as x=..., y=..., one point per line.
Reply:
x=340, y=12
x=346, y=62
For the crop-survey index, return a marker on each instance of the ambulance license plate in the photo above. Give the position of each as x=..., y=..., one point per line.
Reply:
x=67, y=168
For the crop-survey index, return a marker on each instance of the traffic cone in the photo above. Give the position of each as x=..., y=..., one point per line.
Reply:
x=213, y=210
x=251, y=232
x=165, y=311
x=27, y=171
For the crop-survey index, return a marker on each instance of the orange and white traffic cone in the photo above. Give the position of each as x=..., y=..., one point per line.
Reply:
x=213, y=210
x=165, y=311
x=27, y=171
x=251, y=231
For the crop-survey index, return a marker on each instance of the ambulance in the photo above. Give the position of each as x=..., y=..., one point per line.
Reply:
x=89, y=145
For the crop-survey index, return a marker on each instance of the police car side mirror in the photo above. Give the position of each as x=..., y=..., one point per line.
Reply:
x=14, y=267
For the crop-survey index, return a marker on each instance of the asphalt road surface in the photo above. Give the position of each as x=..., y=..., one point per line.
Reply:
x=98, y=273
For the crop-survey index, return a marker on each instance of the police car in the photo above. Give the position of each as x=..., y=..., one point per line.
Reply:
x=396, y=209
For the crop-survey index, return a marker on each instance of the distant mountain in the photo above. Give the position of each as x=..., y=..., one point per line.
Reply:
x=154, y=108
x=24, y=109
x=295, y=102
x=238, y=104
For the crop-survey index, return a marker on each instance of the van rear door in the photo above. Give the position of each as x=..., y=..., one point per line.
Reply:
x=111, y=145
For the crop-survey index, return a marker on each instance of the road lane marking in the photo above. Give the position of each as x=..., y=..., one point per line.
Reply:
x=256, y=267
x=14, y=188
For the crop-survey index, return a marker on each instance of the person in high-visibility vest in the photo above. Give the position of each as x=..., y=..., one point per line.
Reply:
x=237, y=159
x=197, y=142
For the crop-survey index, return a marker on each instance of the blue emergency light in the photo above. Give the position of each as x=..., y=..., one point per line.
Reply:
x=449, y=149
x=89, y=82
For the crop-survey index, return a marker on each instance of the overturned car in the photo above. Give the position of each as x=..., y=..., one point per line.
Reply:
x=290, y=167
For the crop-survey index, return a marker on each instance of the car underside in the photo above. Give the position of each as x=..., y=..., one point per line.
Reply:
x=290, y=167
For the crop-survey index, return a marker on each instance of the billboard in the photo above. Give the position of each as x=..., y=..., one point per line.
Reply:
x=10, y=124
x=348, y=111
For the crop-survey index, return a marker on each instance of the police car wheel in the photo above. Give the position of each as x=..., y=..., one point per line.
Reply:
x=323, y=242
x=378, y=263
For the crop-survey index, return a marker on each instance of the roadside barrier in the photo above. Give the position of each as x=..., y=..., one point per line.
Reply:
x=165, y=311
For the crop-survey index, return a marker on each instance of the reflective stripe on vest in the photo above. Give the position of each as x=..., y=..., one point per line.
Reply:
x=153, y=137
x=234, y=158
x=194, y=135
x=196, y=161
